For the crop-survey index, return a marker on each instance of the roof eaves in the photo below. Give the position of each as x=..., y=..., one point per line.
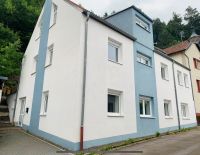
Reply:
x=131, y=7
x=102, y=21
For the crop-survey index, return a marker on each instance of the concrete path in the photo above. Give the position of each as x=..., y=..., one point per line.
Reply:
x=186, y=143
x=15, y=141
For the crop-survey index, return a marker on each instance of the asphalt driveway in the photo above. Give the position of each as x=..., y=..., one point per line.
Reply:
x=186, y=143
x=15, y=141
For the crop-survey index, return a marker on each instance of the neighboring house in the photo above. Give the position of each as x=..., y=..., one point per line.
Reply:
x=85, y=82
x=188, y=54
x=174, y=93
x=2, y=80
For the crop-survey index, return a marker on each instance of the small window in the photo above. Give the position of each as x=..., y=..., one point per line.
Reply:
x=44, y=105
x=198, y=85
x=167, y=108
x=196, y=63
x=186, y=80
x=180, y=78
x=49, y=55
x=142, y=23
x=114, y=102
x=54, y=14
x=113, y=51
x=35, y=59
x=184, y=110
x=164, y=72
x=145, y=106
x=143, y=59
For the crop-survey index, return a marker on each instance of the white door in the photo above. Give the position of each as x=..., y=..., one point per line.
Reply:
x=22, y=111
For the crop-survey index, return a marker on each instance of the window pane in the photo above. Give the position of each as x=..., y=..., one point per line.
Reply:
x=166, y=108
x=112, y=53
x=113, y=103
x=141, y=107
x=147, y=108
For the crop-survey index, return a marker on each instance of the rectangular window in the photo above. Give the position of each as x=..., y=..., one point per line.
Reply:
x=49, y=55
x=145, y=106
x=113, y=51
x=164, y=72
x=142, y=23
x=184, y=110
x=167, y=108
x=186, y=80
x=44, y=104
x=53, y=14
x=198, y=85
x=114, y=102
x=180, y=78
x=143, y=59
x=196, y=63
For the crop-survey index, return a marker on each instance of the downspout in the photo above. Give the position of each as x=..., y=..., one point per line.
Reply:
x=15, y=104
x=84, y=82
x=177, y=108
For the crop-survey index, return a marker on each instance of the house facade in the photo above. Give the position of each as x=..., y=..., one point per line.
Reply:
x=86, y=81
x=188, y=54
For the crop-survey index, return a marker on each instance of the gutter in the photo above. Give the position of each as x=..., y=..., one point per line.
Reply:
x=177, y=108
x=84, y=83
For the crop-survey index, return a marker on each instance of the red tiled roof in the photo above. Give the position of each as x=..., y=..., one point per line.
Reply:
x=182, y=46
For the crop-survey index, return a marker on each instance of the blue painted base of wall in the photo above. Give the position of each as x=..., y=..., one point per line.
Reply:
x=97, y=142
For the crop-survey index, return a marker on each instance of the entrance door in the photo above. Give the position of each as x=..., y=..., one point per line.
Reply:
x=22, y=111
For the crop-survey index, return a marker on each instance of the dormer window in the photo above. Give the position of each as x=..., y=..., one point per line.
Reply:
x=142, y=23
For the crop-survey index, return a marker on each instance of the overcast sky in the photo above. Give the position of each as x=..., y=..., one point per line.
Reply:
x=162, y=9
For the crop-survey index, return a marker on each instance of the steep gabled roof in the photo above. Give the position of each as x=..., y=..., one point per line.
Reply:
x=184, y=45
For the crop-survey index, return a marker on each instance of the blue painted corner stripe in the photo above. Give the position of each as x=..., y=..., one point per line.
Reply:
x=39, y=77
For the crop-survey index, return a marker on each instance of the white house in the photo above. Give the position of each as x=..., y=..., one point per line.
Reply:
x=77, y=86
x=174, y=93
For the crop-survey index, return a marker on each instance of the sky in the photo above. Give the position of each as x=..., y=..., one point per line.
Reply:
x=162, y=9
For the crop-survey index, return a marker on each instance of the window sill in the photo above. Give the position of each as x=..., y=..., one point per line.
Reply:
x=43, y=114
x=33, y=73
x=115, y=115
x=168, y=117
x=147, y=117
x=37, y=38
x=186, y=118
x=52, y=25
x=47, y=66
x=115, y=62
x=165, y=79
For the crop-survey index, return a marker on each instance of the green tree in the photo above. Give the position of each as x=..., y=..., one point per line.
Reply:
x=10, y=56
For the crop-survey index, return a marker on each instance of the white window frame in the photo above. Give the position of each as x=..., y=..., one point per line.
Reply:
x=186, y=80
x=45, y=103
x=141, y=58
x=49, y=55
x=116, y=45
x=168, y=102
x=166, y=73
x=143, y=99
x=142, y=23
x=180, y=78
x=119, y=95
x=35, y=60
x=185, y=115
x=54, y=13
